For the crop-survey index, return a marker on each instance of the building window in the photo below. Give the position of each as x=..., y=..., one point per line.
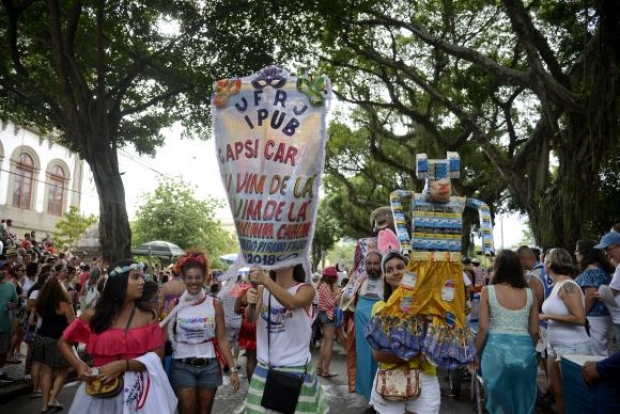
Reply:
x=24, y=176
x=56, y=191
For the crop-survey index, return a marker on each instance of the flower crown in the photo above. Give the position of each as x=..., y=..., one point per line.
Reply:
x=118, y=270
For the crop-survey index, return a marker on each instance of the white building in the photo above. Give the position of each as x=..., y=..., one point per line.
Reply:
x=39, y=179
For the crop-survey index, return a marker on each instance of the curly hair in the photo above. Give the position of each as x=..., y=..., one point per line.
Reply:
x=49, y=298
x=193, y=259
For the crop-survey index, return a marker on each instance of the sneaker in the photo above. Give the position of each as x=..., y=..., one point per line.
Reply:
x=4, y=379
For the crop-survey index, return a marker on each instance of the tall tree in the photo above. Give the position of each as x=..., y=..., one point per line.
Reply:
x=172, y=213
x=524, y=85
x=104, y=74
x=327, y=231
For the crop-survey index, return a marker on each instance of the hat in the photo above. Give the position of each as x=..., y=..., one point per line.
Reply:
x=608, y=239
x=330, y=272
x=475, y=261
x=11, y=252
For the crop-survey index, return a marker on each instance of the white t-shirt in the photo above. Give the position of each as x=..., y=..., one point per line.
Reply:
x=615, y=281
x=290, y=333
x=615, y=284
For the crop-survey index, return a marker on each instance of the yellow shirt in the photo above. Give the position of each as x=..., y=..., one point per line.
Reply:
x=416, y=363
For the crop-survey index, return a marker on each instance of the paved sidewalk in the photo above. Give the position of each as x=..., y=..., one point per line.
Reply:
x=13, y=390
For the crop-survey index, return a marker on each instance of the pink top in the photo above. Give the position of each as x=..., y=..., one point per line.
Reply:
x=112, y=345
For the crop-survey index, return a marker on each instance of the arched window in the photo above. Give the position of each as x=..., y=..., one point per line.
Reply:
x=24, y=176
x=56, y=190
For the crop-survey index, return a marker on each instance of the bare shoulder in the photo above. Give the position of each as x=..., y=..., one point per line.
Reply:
x=87, y=315
x=570, y=288
x=145, y=316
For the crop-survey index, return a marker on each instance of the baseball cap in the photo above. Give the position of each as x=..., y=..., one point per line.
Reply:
x=608, y=239
x=330, y=271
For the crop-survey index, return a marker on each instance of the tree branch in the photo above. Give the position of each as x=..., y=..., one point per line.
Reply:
x=58, y=58
x=529, y=35
x=156, y=99
x=511, y=76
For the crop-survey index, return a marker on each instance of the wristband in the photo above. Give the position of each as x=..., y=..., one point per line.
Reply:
x=233, y=369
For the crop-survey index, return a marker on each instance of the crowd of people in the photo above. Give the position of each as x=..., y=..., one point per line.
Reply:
x=529, y=308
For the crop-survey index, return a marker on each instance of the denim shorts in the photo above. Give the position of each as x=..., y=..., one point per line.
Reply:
x=557, y=351
x=187, y=376
x=324, y=319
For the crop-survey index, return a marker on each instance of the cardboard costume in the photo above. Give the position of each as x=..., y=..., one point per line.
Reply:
x=425, y=315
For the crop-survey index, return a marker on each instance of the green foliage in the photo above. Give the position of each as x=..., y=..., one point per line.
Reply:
x=71, y=227
x=507, y=84
x=341, y=252
x=173, y=214
x=327, y=231
x=110, y=73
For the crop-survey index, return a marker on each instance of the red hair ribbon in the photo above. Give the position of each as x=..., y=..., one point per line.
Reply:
x=198, y=258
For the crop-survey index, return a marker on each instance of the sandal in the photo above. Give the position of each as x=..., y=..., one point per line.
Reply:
x=328, y=375
x=319, y=372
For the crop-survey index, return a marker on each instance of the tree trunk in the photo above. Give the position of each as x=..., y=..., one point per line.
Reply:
x=114, y=230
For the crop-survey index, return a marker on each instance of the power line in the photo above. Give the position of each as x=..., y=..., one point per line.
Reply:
x=142, y=163
x=63, y=188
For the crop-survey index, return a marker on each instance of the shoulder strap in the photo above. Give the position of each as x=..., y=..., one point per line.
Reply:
x=269, y=330
x=133, y=312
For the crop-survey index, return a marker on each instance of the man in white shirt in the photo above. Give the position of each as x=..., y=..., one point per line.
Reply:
x=610, y=243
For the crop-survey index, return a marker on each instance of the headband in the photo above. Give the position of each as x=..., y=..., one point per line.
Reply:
x=118, y=270
x=391, y=255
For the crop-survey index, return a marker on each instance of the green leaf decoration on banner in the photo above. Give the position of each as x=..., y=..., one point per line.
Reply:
x=314, y=89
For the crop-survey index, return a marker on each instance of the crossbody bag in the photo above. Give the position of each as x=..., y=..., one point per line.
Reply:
x=97, y=388
x=282, y=388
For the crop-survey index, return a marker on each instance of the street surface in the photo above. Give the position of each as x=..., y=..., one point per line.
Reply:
x=340, y=401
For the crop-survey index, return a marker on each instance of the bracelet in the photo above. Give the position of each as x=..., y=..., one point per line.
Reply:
x=232, y=369
x=126, y=365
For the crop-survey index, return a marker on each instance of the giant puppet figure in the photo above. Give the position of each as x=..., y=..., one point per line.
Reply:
x=425, y=315
x=364, y=289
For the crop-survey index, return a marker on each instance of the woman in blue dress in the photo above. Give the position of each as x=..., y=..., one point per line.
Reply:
x=507, y=334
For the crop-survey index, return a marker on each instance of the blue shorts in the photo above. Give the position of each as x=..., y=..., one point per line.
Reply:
x=325, y=321
x=187, y=376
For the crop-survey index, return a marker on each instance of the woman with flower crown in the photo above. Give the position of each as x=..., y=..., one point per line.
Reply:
x=197, y=333
x=126, y=343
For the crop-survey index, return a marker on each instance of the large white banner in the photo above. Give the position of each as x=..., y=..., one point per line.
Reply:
x=270, y=139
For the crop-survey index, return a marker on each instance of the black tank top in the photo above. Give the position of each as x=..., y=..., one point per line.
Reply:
x=53, y=325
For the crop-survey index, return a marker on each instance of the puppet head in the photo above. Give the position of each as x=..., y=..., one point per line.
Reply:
x=381, y=219
x=437, y=174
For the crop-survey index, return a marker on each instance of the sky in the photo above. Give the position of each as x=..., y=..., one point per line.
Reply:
x=196, y=163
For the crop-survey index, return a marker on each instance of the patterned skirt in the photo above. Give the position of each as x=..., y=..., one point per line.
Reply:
x=312, y=399
x=45, y=350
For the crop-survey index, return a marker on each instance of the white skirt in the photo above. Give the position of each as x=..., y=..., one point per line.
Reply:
x=84, y=403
